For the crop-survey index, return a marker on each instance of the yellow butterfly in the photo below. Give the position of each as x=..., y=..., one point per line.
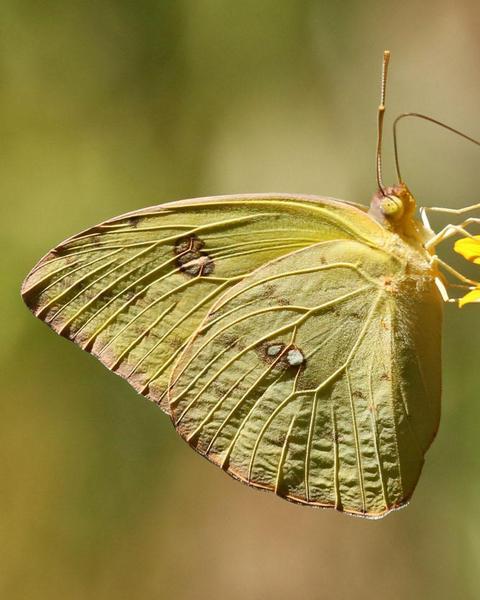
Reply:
x=294, y=340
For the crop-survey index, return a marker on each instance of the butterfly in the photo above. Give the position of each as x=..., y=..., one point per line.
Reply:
x=293, y=340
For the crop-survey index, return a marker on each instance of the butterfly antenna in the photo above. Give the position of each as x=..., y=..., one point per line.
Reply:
x=380, y=115
x=425, y=118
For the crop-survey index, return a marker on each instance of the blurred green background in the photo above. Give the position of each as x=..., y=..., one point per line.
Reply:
x=109, y=106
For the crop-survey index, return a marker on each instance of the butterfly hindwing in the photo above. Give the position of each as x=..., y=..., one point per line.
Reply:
x=317, y=377
x=132, y=290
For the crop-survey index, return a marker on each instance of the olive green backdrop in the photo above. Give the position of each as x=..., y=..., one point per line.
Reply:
x=109, y=106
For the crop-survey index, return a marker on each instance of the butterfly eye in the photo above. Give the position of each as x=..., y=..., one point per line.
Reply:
x=392, y=207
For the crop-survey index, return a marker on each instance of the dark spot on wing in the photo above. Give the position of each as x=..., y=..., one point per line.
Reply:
x=190, y=243
x=286, y=356
x=133, y=221
x=191, y=257
x=274, y=349
x=295, y=357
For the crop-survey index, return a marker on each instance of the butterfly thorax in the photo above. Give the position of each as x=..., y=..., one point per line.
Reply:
x=394, y=208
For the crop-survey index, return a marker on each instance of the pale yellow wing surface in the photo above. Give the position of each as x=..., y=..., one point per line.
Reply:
x=133, y=289
x=318, y=377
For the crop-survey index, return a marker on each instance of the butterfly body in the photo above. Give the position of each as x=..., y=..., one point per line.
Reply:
x=294, y=340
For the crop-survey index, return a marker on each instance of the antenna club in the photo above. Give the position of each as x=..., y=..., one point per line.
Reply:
x=380, y=117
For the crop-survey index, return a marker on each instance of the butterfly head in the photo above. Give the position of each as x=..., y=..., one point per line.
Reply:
x=394, y=209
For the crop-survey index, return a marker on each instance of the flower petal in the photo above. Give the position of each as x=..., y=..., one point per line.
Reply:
x=469, y=248
x=473, y=296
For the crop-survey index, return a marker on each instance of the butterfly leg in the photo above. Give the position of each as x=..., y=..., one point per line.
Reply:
x=447, y=232
x=450, y=230
x=425, y=219
x=453, y=211
x=443, y=290
x=442, y=282
x=442, y=285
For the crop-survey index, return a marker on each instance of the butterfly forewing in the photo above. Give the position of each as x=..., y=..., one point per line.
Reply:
x=132, y=290
x=317, y=377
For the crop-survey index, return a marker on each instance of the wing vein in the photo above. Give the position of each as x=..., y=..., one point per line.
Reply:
x=357, y=442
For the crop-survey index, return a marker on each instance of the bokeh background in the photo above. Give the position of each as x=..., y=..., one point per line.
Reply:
x=109, y=106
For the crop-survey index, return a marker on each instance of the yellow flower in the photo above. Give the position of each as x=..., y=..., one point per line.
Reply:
x=469, y=248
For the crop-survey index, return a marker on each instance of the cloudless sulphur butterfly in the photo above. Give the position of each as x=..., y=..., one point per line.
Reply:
x=294, y=340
